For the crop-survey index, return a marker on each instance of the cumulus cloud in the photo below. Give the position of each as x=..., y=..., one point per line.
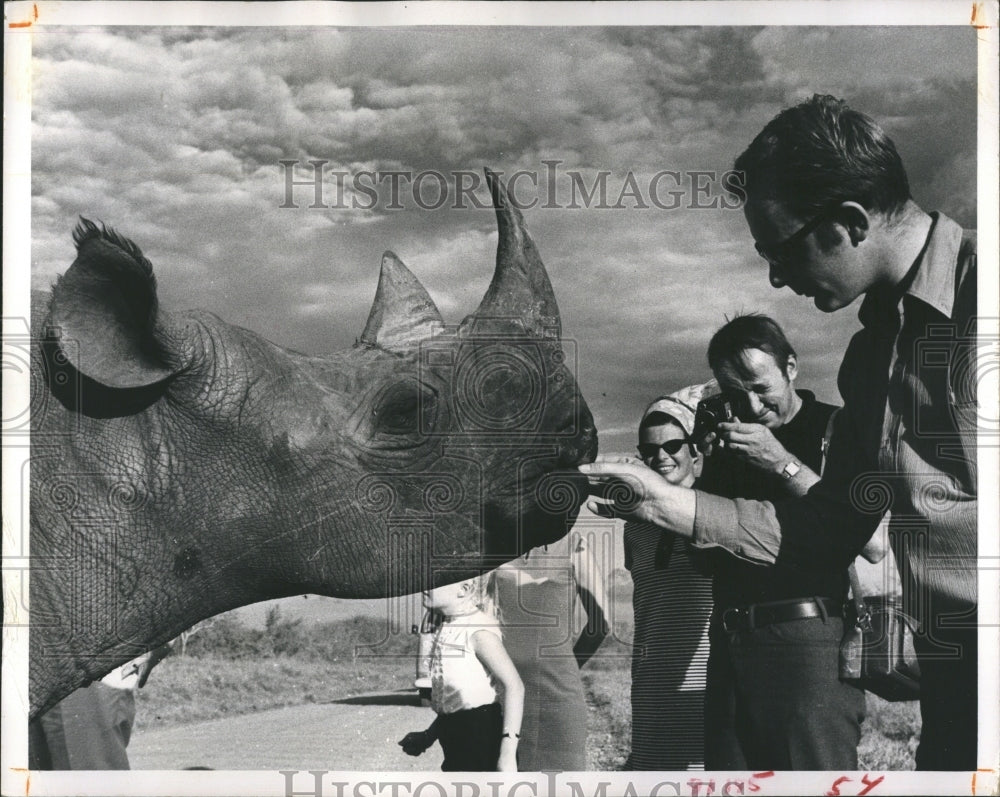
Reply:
x=174, y=135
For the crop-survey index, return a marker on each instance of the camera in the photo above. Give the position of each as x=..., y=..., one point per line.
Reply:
x=721, y=407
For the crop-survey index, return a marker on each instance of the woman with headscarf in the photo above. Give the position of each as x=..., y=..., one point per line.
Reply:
x=672, y=604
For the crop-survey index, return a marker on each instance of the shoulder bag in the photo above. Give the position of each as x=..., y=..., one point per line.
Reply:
x=876, y=652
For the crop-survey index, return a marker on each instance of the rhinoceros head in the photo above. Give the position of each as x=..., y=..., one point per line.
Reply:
x=187, y=466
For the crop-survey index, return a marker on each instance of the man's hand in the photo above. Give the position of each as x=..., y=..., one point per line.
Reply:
x=755, y=444
x=707, y=443
x=624, y=487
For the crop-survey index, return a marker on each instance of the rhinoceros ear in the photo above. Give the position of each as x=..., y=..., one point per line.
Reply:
x=520, y=287
x=105, y=310
x=403, y=313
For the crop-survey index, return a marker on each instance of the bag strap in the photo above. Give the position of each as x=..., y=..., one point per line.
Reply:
x=852, y=572
x=861, y=611
x=827, y=436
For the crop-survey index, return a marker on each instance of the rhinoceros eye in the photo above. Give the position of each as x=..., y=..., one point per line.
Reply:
x=405, y=409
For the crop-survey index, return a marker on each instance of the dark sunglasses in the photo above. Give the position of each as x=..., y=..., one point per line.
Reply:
x=777, y=254
x=672, y=447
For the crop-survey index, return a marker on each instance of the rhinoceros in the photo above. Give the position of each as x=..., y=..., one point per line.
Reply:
x=182, y=466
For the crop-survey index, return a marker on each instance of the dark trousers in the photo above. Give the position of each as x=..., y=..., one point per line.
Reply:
x=774, y=699
x=471, y=738
x=948, y=698
x=88, y=729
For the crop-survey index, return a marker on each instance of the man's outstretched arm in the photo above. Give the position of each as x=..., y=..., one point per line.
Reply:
x=623, y=488
x=824, y=528
x=626, y=488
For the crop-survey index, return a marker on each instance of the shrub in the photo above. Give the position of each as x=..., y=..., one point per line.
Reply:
x=285, y=637
x=226, y=638
x=344, y=640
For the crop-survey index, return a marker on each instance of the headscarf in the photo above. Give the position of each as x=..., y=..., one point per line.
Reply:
x=681, y=404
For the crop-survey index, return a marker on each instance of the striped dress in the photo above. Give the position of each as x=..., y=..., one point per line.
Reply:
x=672, y=604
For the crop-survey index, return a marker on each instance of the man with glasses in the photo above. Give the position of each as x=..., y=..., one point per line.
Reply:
x=774, y=697
x=828, y=204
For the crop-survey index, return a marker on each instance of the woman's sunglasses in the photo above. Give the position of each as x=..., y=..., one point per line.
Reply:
x=672, y=447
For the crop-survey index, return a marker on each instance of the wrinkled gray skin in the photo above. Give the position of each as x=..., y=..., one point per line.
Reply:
x=182, y=466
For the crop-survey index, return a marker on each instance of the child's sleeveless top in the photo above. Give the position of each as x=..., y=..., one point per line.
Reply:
x=458, y=679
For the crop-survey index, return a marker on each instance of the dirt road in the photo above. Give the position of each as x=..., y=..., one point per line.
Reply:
x=357, y=733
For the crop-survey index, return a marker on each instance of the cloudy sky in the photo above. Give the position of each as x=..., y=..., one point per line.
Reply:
x=174, y=135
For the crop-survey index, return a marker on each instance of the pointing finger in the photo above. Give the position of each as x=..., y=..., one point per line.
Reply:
x=600, y=509
x=620, y=466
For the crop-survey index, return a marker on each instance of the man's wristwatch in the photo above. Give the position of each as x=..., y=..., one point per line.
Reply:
x=791, y=469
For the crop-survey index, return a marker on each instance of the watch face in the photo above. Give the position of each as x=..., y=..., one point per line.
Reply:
x=791, y=469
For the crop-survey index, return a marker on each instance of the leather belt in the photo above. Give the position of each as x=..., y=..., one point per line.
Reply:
x=757, y=615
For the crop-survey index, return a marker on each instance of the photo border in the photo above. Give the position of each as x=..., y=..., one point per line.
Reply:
x=22, y=18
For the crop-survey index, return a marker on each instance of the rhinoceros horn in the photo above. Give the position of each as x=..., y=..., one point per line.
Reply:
x=403, y=313
x=520, y=288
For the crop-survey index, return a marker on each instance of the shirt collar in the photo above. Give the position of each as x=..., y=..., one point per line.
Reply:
x=808, y=399
x=932, y=278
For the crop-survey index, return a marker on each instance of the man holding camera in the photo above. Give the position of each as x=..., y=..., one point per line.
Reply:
x=828, y=204
x=774, y=699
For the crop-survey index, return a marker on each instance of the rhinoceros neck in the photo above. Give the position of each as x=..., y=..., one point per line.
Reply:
x=162, y=518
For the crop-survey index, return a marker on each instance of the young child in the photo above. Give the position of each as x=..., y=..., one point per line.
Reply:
x=468, y=662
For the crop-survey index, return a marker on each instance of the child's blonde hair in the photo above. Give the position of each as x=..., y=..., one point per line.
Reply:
x=484, y=594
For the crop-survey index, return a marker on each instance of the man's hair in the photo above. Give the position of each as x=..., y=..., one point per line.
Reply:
x=821, y=152
x=750, y=331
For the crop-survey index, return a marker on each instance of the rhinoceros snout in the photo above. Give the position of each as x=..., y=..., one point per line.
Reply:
x=584, y=446
x=590, y=452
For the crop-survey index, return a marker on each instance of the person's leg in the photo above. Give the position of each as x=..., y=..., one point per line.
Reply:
x=723, y=750
x=470, y=739
x=39, y=754
x=686, y=739
x=445, y=736
x=87, y=729
x=948, y=700
x=121, y=706
x=801, y=716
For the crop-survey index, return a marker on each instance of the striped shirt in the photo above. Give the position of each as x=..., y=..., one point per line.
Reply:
x=672, y=604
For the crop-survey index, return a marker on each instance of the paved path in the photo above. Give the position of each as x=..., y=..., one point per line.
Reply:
x=357, y=733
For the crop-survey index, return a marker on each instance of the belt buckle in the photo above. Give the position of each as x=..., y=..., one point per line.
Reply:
x=733, y=616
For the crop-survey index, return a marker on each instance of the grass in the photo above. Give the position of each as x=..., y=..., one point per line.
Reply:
x=889, y=735
x=229, y=669
x=610, y=721
x=186, y=689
